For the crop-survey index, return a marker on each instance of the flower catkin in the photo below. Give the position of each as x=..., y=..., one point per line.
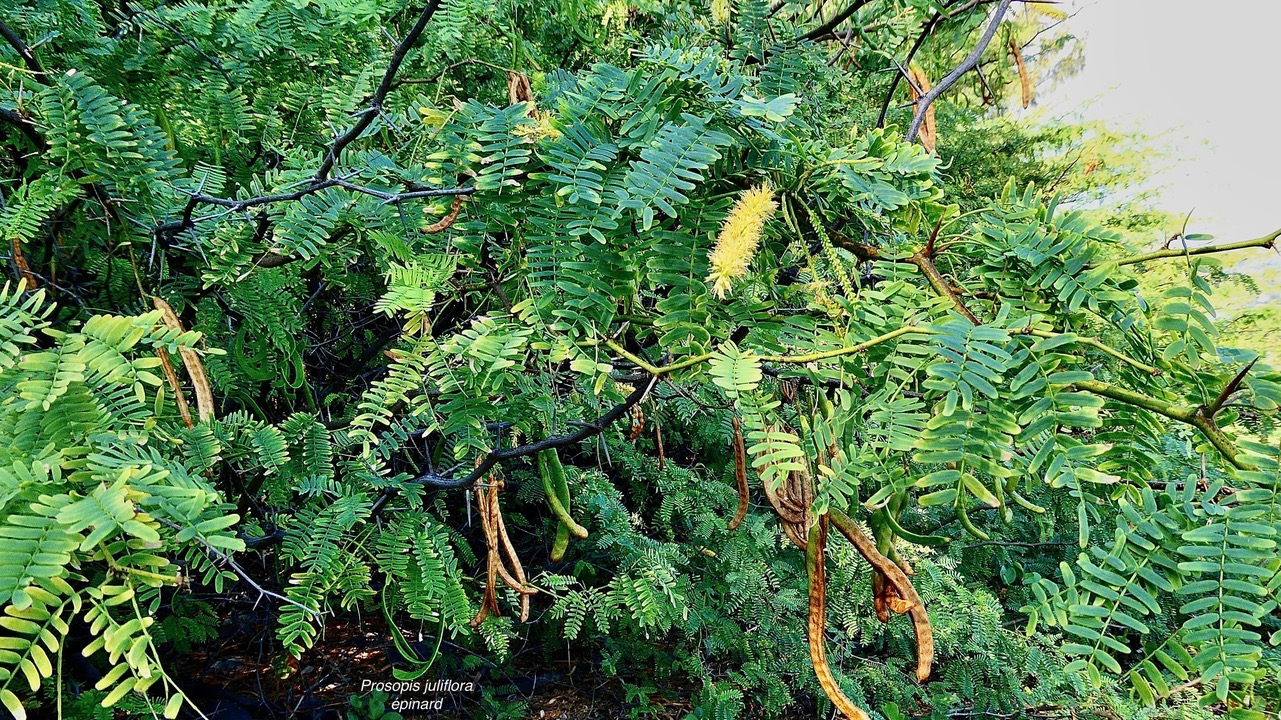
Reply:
x=721, y=11
x=739, y=236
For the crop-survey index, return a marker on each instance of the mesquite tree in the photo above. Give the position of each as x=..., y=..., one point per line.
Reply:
x=661, y=269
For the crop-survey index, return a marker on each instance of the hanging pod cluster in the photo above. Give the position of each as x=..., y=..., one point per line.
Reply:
x=793, y=503
x=491, y=520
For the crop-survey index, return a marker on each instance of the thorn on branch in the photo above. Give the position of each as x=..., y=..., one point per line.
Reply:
x=1213, y=408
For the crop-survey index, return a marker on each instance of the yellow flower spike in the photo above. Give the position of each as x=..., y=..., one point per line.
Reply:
x=721, y=10
x=736, y=243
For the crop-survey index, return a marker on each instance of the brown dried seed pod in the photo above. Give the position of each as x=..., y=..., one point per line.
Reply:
x=448, y=221
x=899, y=582
x=658, y=439
x=897, y=604
x=788, y=388
x=20, y=262
x=879, y=587
x=195, y=370
x=1025, y=79
x=817, y=624
x=489, y=602
x=519, y=90
x=180, y=398
x=519, y=582
x=740, y=476
x=638, y=423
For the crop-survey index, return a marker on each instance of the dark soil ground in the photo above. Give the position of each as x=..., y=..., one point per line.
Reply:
x=244, y=674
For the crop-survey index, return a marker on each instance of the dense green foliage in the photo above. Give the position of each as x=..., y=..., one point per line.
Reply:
x=420, y=248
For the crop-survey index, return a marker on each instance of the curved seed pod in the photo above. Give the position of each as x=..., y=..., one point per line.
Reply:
x=561, y=544
x=518, y=89
x=195, y=370
x=740, y=475
x=1025, y=78
x=914, y=538
x=896, y=603
x=558, y=491
x=517, y=583
x=817, y=624
x=787, y=388
x=918, y=88
x=491, y=520
x=787, y=513
x=20, y=262
x=964, y=516
x=658, y=440
x=446, y=222
x=796, y=533
x=898, y=580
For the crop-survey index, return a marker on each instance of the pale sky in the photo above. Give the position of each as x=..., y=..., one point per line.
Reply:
x=1203, y=77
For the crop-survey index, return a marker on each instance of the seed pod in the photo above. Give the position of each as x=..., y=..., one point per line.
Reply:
x=489, y=601
x=20, y=262
x=519, y=90
x=519, y=582
x=740, y=475
x=879, y=587
x=902, y=586
x=787, y=389
x=561, y=543
x=817, y=625
x=638, y=423
x=446, y=222
x=658, y=439
x=180, y=398
x=195, y=370
x=557, y=490
x=1025, y=79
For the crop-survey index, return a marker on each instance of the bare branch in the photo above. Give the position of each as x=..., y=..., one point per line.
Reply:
x=225, y=559
x=957, y=72
x=380, y=94
x=25, y=126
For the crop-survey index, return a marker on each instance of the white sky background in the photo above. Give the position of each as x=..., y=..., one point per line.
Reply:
x=1205, y=80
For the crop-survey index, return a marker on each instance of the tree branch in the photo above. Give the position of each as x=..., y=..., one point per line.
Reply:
x=24, y=51
x=965, y=66
x=926, y=30
x=227, y=560
x=1198, y=417
x=584, y=431
x=375, y=107
x=1267, y=241
x=1194, y=416
x=321, y=180
x=25, y=126
x=310, y=188
x=836, y=20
